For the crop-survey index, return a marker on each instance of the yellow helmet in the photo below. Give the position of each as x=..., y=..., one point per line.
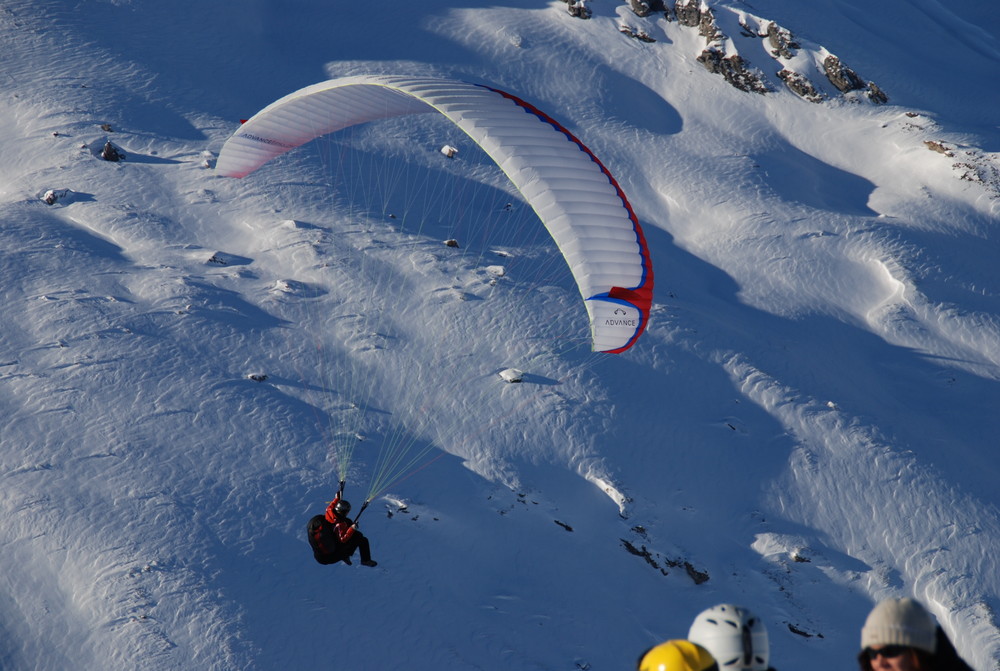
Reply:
x=677, y=656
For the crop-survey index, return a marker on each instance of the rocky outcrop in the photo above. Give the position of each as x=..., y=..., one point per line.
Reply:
x=841, y=76
x=112, y=153
x=784, y=46
x=688, y=12
x=847, y=80
x=735, y=70
x=721, y=56
x=578, y=8
x=939, y=147
x=708, y=28
x=782, y=43
x=877, y=95
x=635, y=33
x=746, y=30
x=646, y=7
x=800, y=85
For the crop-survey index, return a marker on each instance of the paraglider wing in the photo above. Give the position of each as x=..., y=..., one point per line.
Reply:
x=573, y=194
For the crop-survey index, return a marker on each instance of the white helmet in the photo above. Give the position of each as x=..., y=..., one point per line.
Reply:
x=736, y=637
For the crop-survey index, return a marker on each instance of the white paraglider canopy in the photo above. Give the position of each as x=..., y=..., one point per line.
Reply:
x=573, y=194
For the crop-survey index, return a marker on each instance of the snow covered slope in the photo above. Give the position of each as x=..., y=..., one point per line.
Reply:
x=807, y=426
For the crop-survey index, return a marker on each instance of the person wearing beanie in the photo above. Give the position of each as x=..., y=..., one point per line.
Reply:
x=900, y=635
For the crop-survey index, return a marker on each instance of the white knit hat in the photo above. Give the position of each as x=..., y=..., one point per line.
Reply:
x=899, y=622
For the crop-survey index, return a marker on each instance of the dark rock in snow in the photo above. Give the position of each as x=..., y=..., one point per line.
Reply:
x=512, y=375
x=640, y=7
x=781, y=41
x=697, y=576
x=877, y=95
x=802, y=632
x=734, y=69
x=708, y=28
x=847, y=80
x=746, y=30
x=801, y=85
x=688, y=12
x=224, y=259
x=841, y=76
x=635, y=34
x=112, y=153
x=737, y=71
x=52, y=196
x=647, y=7
x=578, y=8
x=63, y=197
x=934, y=145
x=644, y=553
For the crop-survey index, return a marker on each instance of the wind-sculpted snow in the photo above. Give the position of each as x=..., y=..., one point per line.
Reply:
x=806, y=426
x=916, y=532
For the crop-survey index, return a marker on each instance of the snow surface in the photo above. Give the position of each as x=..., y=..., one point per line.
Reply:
x=809, y=423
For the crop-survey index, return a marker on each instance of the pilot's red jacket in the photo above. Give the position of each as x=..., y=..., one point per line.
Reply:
x=341, y=525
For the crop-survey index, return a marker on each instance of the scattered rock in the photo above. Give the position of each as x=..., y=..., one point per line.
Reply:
x=939, y=147
x=451, y=242
x=688, y=12
x=697, y=576
x=781, y=40
x=52, y=196
x=645, y=554
x=112, y=153
x=708, y=28
x=578, y=8
x=224, y=259
x=257, y=377
x=801, y=632
x=734, y=69
x=800, y=85
x=106, y=127
x=646, y=7
x=841, y=76
x=739, y=72
x=745, y=29
x=634, y=33
x=979, y=168
x=512, y=375
x=877, y=95
x=296, y=288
